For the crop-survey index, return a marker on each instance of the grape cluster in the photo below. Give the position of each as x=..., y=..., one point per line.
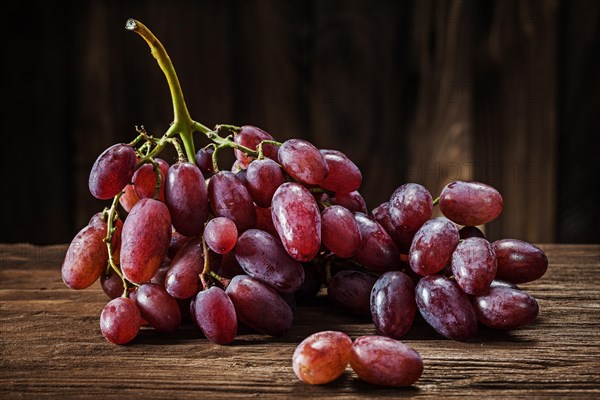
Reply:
x=244, y=244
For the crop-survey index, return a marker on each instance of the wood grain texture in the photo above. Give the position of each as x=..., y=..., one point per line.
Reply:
x=51, y=345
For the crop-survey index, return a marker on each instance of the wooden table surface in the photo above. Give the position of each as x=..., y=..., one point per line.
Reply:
x=51, y=345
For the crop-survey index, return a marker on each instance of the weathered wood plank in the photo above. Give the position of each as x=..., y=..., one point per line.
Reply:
x=51, y=346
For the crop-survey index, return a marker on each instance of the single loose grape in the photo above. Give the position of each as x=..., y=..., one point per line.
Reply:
x=384, y=361
x=322, y=357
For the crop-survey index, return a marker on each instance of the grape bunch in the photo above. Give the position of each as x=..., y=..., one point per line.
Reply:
x=242, y=245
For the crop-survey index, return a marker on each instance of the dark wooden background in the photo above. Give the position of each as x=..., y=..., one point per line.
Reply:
x=503, y=91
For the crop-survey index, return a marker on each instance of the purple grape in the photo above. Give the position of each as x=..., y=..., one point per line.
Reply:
x=112, y=170
x=204, y=161
x=470, y=203
x=229, y=198
x=377, y=251
x=344, y=176
x=250, y=137
x=297, y=220
x=339, y=231
x=182, y=280
x=186, y=197
x=402, y=239
x=214, y=314
x=505, y=308
x=446, y=307
x=263, y=177
x=259, y=306
x=353, y=201
x=470, y=231
x=262, y=256
x=393, y=304
x=351, y=290
x=384, y=361
x=410, y=206
x=474, y=265
x=220, y=235
x=120, y=320
x=112, y=284
x=158, y=308
x=519, y=261
x=432, y=246
x=145, y=240
x=303, y=161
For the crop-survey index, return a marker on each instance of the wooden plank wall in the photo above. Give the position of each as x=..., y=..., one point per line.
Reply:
x=503, y=91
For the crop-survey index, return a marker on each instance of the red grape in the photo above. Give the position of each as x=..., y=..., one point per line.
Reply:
x=432, y=246
x=214, y=314
x=393, y=304
x=262, y=256
x=410, y=207
x=158, y=308
x=470, y=203
x=297, y=219
x=145, y=240
x=505, y=308
x=377, y=251
x=401, y=238
x=86, y=258
x=259, y=306
x=186, y=197
x=220, y=235
x=263, y=177
x=344, y=176
x=112, y=170
x=120, y=320
x=129, y=198
x=446, y=307
x=519, y=261
x=322, y=357
x=144, y=180
x=182, y=280
x=250, y=137
x=384, y=361
x=339, y=231
x=230, y=198
x=112, y=284
x=204, y=161
x=303, y=161
x=353, y=201
x=474, y=265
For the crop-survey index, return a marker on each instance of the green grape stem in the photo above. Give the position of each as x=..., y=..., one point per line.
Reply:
x=112, y=216
x=436, y=201
x=183, y=124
